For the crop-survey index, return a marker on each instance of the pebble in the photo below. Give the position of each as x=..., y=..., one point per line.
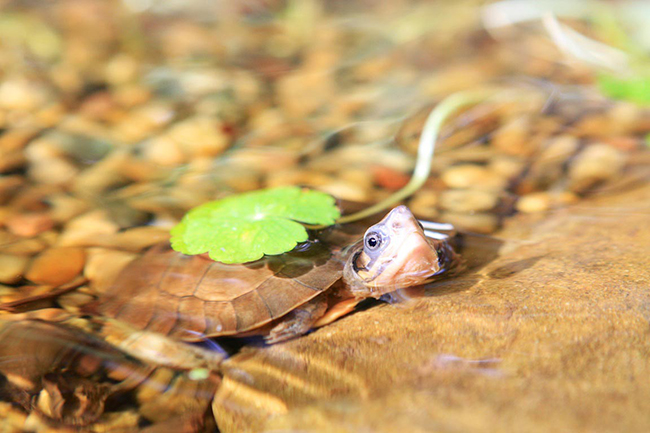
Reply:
x=9, y=186
x=297, y=177
x=23, y=246
x=11, y=160
x=425, y=204
x=103, y=265
x=507, y=166
x=164, y=151
x=52, y=171
x=199, y=136
x=101, y=176
x=20, y=94
x=478, y=222
x=474, y=177
x=135, y=239
x=121, y=69
x=73, y=301
x=12, y=268
x=301, y=93
x=542, y=201
x=81, y=230
x=388, y=178
x=264, y=160
x=514, y=138
x=29, y=224
x=548, y=167
x=345, y=191
x=16, y=139
x=467, y=200
x=596, y=163
x=12, y=418
x=56, y=266
x=64, y=207
x=143, y=122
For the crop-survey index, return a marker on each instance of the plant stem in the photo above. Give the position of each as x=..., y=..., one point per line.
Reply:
x=426, y=148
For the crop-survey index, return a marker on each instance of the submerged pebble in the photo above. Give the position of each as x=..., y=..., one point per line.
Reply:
x=596, y=163
x=12, y=268
x=468, y=201
x=56, y=266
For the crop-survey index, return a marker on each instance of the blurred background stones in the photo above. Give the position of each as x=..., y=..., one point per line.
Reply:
x=116, y=117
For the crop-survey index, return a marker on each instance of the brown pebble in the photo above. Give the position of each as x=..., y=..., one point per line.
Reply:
x=478, y=222
x=424, y=204
x=514, y=138
x=103, y=265
x=12, y=268
x=543, y=201
x=386, y=177
x=164, y=151
x=101, y=176
x=199, y=136
x=507, y=166
x=52, y=171
x=9, y=186
x=473, y=177
x=64, y=207
x=29, y=224
x=596, y=163
x=534, y=202
x=346, y=191
x=81, y=230
x=57, y=266
x=72, y=302
x=467, y=200
x=23, y=246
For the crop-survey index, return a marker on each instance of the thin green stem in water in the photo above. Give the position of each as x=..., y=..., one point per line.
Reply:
x=426, y=148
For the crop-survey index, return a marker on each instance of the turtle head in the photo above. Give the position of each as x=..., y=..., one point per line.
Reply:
x=394, y=254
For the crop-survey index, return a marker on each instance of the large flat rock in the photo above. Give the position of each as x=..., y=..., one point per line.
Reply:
x=551, y=336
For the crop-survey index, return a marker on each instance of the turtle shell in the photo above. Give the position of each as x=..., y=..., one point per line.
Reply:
x=191, y=297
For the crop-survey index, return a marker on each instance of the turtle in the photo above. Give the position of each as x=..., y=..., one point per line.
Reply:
x=191, y=298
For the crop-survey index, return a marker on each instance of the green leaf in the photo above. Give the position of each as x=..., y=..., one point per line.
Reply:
x=242, y=228
x=634, y=89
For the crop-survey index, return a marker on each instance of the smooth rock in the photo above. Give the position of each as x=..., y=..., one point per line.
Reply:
x=12, y=268
x=56, y=266
x=596, y=163
x=477, y=222
x=425, y=203
x=473, y=177
x=81, y=230
x=29, y=224
x=103, y=265
x=467, y=200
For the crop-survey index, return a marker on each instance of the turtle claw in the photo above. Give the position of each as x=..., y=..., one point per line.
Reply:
x=298, y=322
x=287, y=330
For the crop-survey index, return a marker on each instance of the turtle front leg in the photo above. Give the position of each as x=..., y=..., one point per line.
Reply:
x=298, y=321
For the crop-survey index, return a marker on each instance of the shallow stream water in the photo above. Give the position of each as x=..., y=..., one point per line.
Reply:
x=118, y=117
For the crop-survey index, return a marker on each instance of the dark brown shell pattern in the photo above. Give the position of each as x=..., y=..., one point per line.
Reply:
x=191, y=297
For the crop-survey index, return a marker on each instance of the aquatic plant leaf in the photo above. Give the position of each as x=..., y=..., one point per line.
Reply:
x=242, y=228
x=634, y=89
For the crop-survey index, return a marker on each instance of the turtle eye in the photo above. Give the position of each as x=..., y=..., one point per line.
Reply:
x=373, y=241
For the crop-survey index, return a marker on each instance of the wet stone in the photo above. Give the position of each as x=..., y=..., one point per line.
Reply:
x=467, y=201
x=103, y=266
x=12, y=268
x=56, y=266
x=477, y=222
x=472, y=176
x=29, y=224
x=596, y=163
x=425, y=203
